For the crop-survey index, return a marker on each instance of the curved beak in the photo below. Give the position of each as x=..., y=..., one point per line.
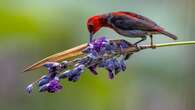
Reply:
x=91, y=37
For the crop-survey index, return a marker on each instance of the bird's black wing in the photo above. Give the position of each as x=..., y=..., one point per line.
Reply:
x=130, y=22
x=140, y=17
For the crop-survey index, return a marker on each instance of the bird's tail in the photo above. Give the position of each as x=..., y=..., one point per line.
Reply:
x=168, y=34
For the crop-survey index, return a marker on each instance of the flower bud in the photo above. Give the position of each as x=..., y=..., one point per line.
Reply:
x=75, y=73
x=29, y=88
x=51, y=64
x=43, y=80
x=64, y=65
x=93, y=69
x=43, y=88
x=65, y=74
x=54, y=86
x=110, y=74
x=123, y=64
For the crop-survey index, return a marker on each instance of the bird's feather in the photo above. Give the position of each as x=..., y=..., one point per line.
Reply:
x=132, y=21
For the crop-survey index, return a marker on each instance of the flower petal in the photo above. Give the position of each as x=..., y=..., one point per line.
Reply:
x=93, y=69
x=110, y=74
x=123, y=64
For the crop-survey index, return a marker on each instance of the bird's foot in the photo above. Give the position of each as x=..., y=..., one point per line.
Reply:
x=152, y=46
x=151, y=43
x=137, y=46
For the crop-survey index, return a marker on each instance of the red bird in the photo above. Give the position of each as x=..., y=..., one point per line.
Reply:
x=127, y=24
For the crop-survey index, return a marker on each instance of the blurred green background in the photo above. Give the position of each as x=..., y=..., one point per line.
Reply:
x=161, y=79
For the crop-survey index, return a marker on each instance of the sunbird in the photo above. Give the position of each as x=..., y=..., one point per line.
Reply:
x=127, y=24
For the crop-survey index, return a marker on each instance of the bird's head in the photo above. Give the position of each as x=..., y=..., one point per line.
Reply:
x=94, y=24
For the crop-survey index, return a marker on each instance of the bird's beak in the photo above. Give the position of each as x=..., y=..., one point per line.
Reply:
x=91, y=37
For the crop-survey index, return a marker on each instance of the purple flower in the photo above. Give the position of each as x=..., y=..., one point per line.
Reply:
x=65, y=74
x=80, y=68
x=113, y=65
x=93, y=69
x=51, y=87
x=98, y=44
x=110, y=67
x=64, y=65
x=54, y=86
x=73, y=75
x=110, y=48
x=123, y=64
x=44, y=88
x=124, y=44
x=100, y=53
x=44, y=80
x=51, y=64
x=29, y=88
x=76, y=73
x=53, y=68
x=117, y=67
x=110, y=73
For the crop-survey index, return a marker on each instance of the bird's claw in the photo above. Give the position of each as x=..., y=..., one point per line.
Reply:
x=153, y=46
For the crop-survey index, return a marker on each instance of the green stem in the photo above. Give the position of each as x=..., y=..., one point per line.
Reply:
x=175, y=44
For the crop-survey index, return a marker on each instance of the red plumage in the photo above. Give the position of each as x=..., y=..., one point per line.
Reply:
x=127, y=24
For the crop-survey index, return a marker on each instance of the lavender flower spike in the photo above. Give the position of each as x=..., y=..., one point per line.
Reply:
x=100, y=53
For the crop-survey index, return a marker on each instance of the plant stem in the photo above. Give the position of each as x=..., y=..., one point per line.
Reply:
x=77, y=51
x=172, y=44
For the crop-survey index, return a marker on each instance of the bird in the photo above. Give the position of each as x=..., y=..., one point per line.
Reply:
x=127, y=24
